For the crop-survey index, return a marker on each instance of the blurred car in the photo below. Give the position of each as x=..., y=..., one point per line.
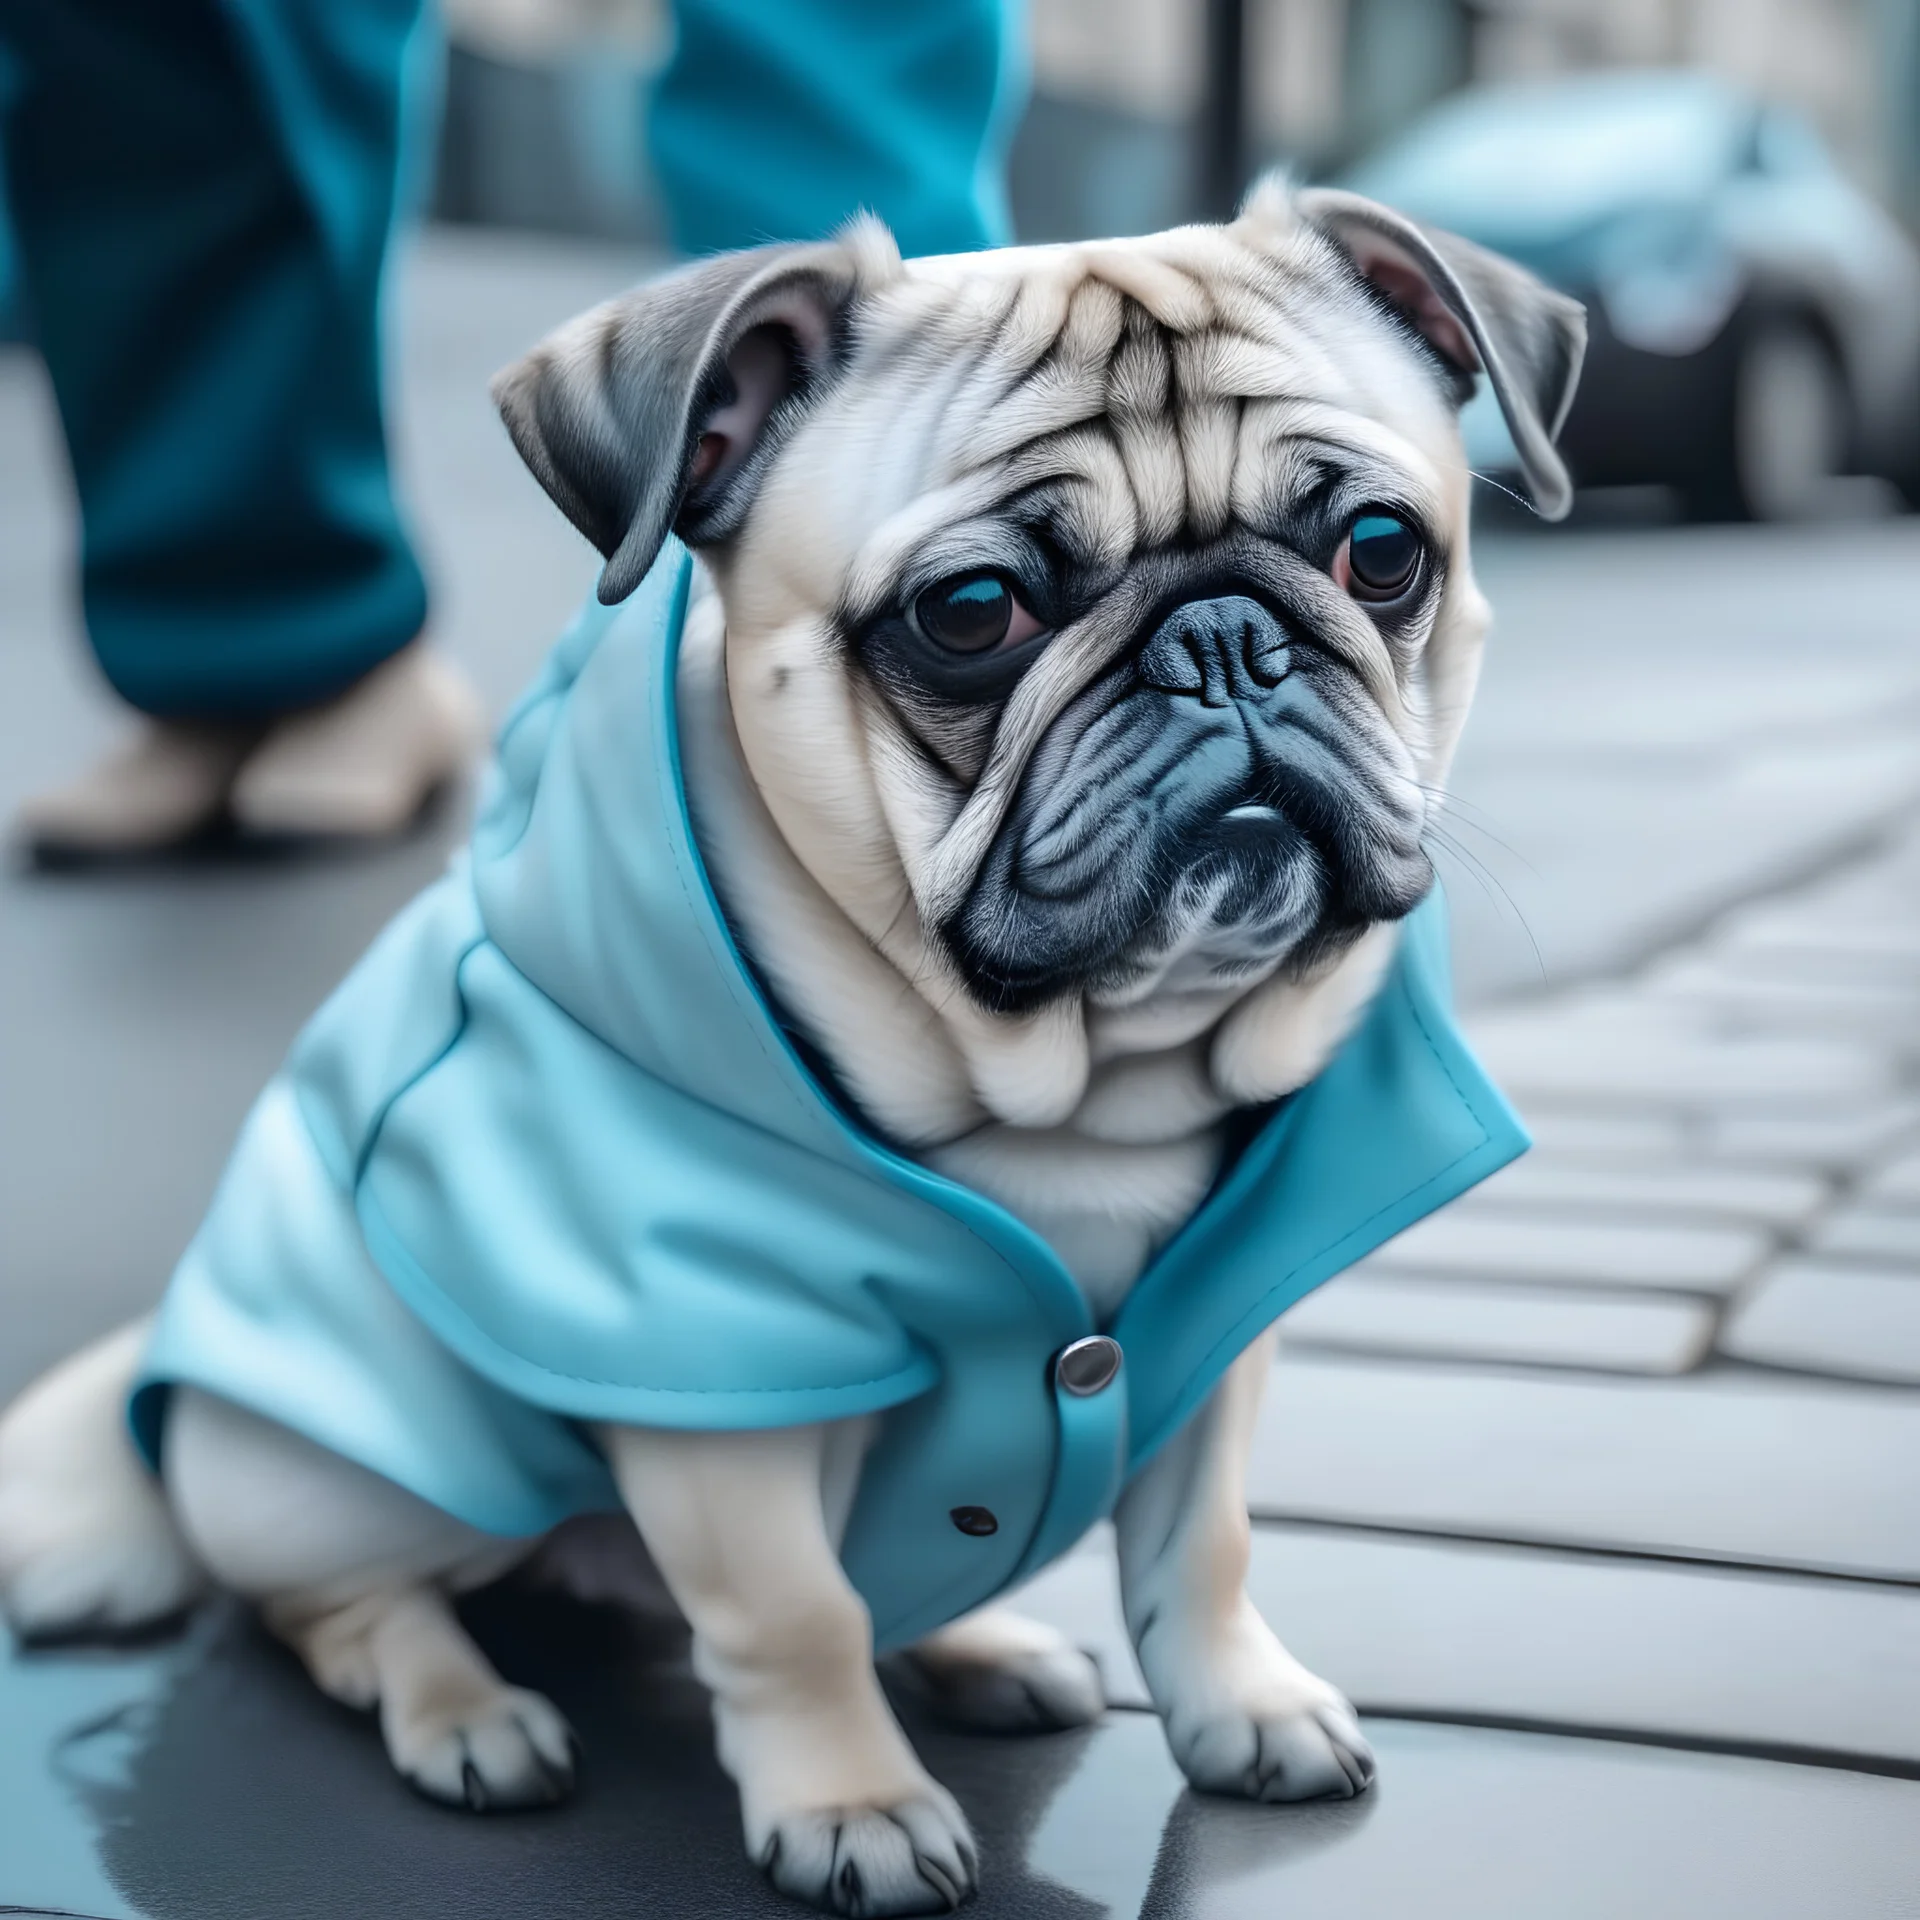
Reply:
x=1755, y=317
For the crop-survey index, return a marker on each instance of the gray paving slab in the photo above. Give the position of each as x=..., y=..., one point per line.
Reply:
x=1868, y=966
x=1865, y=891
x=1898, y=1181
x=1718, y=1465
x=1655, y=1650
x=226, y=1789
x=1657, y=1189
x=1797, y=1137
x=1760, y=983
x=1810, y=924
x=1888, y=1234
x=1840, y=1139
x=1859, y=1322
x=1641, y=1058
x=1611, y=819
x=1635, y=1135
x=1465, y=1320
x=1578, y=1249
x=152, y=1010
x=1865, y=898
x=1509, y=1827
x=1883, y=1018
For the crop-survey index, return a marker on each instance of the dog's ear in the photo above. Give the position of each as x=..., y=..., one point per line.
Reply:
x=657, y=412
x=1479, y=313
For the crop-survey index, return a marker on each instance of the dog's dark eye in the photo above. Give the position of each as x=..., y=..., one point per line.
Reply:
x=1381, y=557
x=971, y=613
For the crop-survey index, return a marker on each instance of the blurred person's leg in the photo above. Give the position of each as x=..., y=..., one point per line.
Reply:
x=10, y=319
x=203, y=195
x=775, y=122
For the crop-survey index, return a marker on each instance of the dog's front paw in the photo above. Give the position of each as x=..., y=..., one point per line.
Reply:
x=1312, y=1751
x=504, y=1748
x=916, y=1856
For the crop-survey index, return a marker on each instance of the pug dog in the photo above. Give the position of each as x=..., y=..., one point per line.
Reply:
x=1077, y=640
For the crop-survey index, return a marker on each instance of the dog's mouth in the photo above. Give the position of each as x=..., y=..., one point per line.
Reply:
x=1150, y=823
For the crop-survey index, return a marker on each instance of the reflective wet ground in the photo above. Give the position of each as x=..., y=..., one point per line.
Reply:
x=207, y=1781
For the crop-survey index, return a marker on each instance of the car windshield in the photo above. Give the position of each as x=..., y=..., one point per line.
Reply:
x=1536, y=160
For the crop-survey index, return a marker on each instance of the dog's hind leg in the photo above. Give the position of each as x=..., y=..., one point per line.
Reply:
x=355, y=1574
x=87, y=1544
x=1242, y=1715
x=836, y=1805
x=999, y=1672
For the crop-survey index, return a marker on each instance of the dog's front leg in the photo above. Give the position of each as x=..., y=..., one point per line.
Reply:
x=837, y=1808
x=1242, y=1715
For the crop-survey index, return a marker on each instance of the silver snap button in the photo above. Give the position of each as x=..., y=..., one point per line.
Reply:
x=1087, y=1366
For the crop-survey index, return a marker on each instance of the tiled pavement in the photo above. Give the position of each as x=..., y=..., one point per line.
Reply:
x=1802, y=1009
x=1601, y=1494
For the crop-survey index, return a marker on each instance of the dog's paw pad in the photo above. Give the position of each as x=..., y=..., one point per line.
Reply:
x=915, y=1857
x=1043, y=1690
x=509, y=1749
x=1314, y=1753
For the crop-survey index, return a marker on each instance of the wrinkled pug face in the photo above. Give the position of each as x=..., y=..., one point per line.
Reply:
x=1098, y=617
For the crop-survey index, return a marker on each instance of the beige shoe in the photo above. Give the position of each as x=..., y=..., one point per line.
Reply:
x=364, y=763
x=165, y=786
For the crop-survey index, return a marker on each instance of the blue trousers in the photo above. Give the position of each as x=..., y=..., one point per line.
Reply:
x=203, y=195
x=776, y=119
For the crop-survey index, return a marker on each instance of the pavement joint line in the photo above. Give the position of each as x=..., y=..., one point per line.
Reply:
x=1276, y=1519
x=1530, y=1284
x=1713, y=1362
x=1538, y=1285
x=1850, y=1188
x=1780, y=1752
x=1311, y=1353
x=1786, y=1370
x=1655, y=1213
x=1431, y=1357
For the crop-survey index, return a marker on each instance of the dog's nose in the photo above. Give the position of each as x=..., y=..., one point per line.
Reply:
x=1216, y=650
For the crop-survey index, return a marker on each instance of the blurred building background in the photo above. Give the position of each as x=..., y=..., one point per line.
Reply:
x=1144, y=111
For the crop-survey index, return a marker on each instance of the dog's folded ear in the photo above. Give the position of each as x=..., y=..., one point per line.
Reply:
x=657, y=411
x=1479, y=313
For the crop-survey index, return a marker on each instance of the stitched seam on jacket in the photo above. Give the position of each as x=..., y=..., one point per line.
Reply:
x=378, y=1123
x=364, y=1206
x=368, y=1211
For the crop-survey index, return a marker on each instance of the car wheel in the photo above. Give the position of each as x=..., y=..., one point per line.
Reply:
x=1790, y=422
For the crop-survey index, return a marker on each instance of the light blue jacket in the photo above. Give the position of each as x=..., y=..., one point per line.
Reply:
x=547, y=1157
